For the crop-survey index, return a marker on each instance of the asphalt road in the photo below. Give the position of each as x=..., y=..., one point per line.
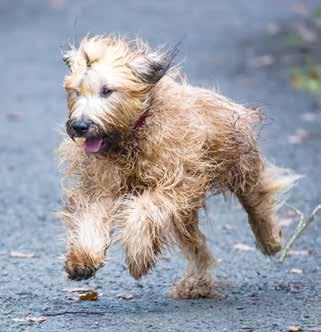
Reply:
x=262, y=296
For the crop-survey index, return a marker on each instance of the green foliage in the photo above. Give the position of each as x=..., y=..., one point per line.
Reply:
x=307, y=79
x=317, y=11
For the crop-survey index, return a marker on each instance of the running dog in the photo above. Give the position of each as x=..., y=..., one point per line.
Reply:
x=144, y=149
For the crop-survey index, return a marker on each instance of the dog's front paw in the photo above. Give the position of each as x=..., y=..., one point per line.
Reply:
x=79, y=266
x=78, y=272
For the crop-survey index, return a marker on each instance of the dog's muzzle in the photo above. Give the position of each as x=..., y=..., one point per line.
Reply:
x=96, y=141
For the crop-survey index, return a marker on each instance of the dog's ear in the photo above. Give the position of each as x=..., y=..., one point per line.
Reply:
x=68, y=55
x=151, y=66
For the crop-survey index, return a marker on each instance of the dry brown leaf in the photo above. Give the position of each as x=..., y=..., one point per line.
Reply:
x=18, y=254
x=90, y=296
x=299, y=252
x=296, y=271
x=242, y=247
x=79, y=289
x=298, y=137
x=285, y=222
x=126, y=296
x=295, y=329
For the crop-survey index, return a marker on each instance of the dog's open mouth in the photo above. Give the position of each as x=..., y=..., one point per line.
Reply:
x=94, y=144
x=100, y=144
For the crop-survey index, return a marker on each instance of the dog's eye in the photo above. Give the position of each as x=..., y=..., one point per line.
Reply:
x=75, y=92
x=105, y=92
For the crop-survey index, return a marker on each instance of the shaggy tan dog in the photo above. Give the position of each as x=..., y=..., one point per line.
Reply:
x=145, y=150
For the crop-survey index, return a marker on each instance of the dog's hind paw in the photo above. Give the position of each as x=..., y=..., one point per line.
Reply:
x=194, y=287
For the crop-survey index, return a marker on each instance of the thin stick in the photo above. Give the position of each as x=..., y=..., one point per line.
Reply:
x=303, y=224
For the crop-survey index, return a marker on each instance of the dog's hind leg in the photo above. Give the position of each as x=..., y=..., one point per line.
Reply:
x=198, y=281
x=88, y=240
x=260, y=203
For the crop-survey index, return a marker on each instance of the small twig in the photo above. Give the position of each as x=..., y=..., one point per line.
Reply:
x=62, y=313
x=303, y=224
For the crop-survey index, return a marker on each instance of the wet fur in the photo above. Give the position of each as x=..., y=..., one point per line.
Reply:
x=149, y=187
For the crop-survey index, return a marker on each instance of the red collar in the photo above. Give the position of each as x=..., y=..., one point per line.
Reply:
x=141, y=120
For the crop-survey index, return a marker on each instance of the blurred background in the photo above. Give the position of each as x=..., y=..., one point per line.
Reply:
x=259, y=52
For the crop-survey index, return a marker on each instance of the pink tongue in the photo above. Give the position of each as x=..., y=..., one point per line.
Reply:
x=93, y=144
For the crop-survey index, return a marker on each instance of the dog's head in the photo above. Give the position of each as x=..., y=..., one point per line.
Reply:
x=108, y=86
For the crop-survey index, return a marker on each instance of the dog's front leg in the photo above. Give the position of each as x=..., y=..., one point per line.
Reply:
x=145, y=227
x=89, y=236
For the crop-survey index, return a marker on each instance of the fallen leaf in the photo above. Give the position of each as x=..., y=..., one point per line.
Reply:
x=18, y=320
x=17, y=254
x=37, y=320
x=292, y=287
x=243, y=247
x=264, y=61
x=299, y=252
x=247, y=329
x=90, y=296
x=285, y=222
x=306, y=33
x=30, y=319
x=273, y=28
x=310, y=117
x=228, y=227
x=126, y=296
x=56, y=4
x=297, y=271
x=298, y=137
x=295, y=329
x=300, y=8
x=79, y=289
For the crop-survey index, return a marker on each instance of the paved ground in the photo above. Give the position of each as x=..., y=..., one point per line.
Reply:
x=263, y=295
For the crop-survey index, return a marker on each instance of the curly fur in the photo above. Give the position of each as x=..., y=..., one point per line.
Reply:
x=151, y=183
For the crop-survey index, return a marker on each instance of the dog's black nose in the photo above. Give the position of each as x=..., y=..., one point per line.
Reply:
x=81, y=127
